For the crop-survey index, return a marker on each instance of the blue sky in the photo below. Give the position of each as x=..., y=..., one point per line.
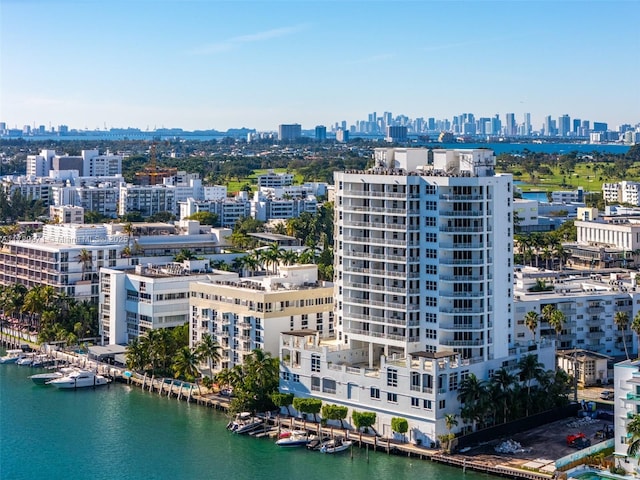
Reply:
x=199, y=64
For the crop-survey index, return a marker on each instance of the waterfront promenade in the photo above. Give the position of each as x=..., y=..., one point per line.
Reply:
x=511, y=466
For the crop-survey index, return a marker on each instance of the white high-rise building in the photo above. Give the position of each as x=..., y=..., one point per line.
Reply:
x=423, y=262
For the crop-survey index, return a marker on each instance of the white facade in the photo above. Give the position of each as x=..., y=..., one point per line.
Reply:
x=423, y=261
x=39, y=165
x=96, y=165
x=623, y=233
x=589, y=303
x=146, y=199
x=276, y=180
x=215, y=192
x=624, y=192
x=243, y=314
x=132, y=302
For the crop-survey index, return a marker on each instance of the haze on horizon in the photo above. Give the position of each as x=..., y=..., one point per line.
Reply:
x=196, y=64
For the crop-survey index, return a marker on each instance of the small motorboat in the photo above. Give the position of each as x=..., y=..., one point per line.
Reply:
x=335, y=445
x=294, y=438
x=244, y=422
x=316, y=442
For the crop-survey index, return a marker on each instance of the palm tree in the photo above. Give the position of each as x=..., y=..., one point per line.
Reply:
x=621, y=319
x=450, y=421
x=208, y=349
x=557, y=321
x=473, y=394
x=128, y=229
x=635, y=326
x=185, y=364
x=531, y=321
x=633, y=434
x=502, y=385
x=136, y=355
x=530, y=369
x=86, y=259
x=273, y=255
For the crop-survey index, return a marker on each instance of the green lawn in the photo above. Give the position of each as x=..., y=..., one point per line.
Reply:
x=583, y=176
x=236, y=186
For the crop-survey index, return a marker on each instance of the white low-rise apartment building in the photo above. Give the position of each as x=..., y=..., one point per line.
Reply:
x=589, y=302
x=424, y=290
x=67, y=257
x=139, y=299
x=624, y=192
x=243, y=314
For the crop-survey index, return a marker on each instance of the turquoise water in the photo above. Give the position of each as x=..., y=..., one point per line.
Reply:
x=119, y=432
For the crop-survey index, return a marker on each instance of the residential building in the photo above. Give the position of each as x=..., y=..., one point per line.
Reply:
x=66, y=214
x=589, y=302
x=247, y=313
x=289, y=132
x=564, y=196
x=146, y=199
x=424, y=294
x=66, y=257
x=587, y=368
x=275, y=180
x=143, y=298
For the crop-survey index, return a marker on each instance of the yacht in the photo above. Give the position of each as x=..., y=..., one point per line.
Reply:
x=45, y=378
x=79, y=379
x=12, y=356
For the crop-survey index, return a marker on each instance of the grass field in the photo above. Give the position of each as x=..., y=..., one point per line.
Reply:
x=583, y=176
x=236, y=186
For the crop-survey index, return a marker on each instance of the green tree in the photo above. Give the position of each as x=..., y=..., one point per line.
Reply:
x=363, y=420
x=633, y=434
x=530, y=369
x=635, y=326
x=85, y=257
x=400, y=425
x=205, y=218
x=282, y=400
x=208, y=350
x=474, y=396
x=502, y=386
x=308, y=406
x=185, y=364
x=621, y=319
x=531, y=322
x=335, y=412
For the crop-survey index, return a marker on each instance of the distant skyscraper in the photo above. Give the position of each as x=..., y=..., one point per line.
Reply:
x=527, y=124
x=564, y=125
x=289, y=132
x=548, y=126
x=600, y=127
x=496, y=125
x=431, y=123
x=575, y=126
x=321, y=133
x=342, y=136
x=510, y=125
x=396, y=133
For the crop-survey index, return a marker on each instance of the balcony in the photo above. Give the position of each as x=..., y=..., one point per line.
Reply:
x=595, y=310
x=452, y=197
x=463, y=343
x=463, y=213
x=633, y=397
x=467, y=229
x=462, y=326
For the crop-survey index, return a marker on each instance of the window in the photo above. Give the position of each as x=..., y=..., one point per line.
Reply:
x=430, y=221
x=315, y=363
x=375, y=393
x=426, y=404
x=285, y=376
x=431, y=253
x=415, y=402
x=442, y=404
x=296, y=378
x=431, y=333
x=430, y=301
x=392, y=397
x=431, y=285
x=431, y=269
x=392, y=377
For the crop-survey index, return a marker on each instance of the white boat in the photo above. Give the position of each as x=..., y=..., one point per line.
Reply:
x=12, y=356
x=31, y=359
x=293, y=438
x=79, y=379
x=44, y=378
x=244, y=422
x=335, y=445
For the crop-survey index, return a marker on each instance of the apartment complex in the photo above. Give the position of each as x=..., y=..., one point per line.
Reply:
x=143, y=298
x=243, y=314
x=424, y=293
x=589, y=303
x=66, y=257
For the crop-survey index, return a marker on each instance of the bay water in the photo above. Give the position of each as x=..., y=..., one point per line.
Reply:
x=119, y=432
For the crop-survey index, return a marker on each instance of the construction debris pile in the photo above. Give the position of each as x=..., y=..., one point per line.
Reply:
x=509, y=446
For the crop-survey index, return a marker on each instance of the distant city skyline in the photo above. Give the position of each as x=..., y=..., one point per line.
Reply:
x=200, y=65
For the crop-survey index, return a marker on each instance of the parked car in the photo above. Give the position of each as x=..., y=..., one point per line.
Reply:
x=606, y=395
